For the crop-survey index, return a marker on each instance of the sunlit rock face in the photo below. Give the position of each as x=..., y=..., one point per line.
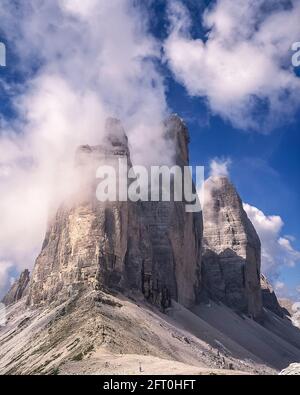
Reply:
x=175, y=235
x=91, y=244
x=292, y=370
x=231, y=250
x=151, y=247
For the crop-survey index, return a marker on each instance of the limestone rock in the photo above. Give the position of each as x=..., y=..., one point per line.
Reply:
x=175, y=235
x=292, y=370
x=269, y=298
x=88, y=241
x=296, y=317
x=286, y=305
x=292, y=310
x=232, y=250
x=152, y=247
x=18, y=290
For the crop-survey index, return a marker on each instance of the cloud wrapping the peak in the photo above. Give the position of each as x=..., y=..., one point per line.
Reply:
x=220, y=167
x=243, y=67
x=81, y=61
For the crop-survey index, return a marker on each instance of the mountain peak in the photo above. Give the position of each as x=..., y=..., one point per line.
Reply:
x=19, y=289
x=115, y=133
x=232, y=251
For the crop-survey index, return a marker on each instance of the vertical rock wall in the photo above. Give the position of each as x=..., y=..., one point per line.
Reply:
x=86, y=245
x=154, y=247
x=232, y=250
x=175, y=235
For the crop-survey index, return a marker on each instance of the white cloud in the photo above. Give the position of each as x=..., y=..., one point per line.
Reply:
x=97, y=60
x=279, y=285
x=285, y=244
x=276, y=249
x=244, y=64
x=283, y=290
x=220, y=167
x=5, y=267
x=79, y=8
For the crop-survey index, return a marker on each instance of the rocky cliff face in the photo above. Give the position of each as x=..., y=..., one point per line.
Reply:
x=91, y=244
x=175, y=236
x=292, y=370
x=269, y=298
x=18, y=290
x=153, y=247
x=232, y=250
x=291, y=310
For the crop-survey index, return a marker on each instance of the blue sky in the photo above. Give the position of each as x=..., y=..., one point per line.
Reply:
x=249, y=115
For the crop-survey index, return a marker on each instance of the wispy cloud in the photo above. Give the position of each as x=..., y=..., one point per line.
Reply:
x=5, y=268
x=82, y=61
x=219, y=167
x=277, y=250
x=243, y=66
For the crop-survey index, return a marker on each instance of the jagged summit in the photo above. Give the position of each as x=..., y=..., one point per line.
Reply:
x=115, y=133
x=18, y=290
x=177, y=131
x=175, y=235
x=232, y=249
x=114, y=142
x=270, y=300
x=153, y=248
x=86, y=243
x=222, y=204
